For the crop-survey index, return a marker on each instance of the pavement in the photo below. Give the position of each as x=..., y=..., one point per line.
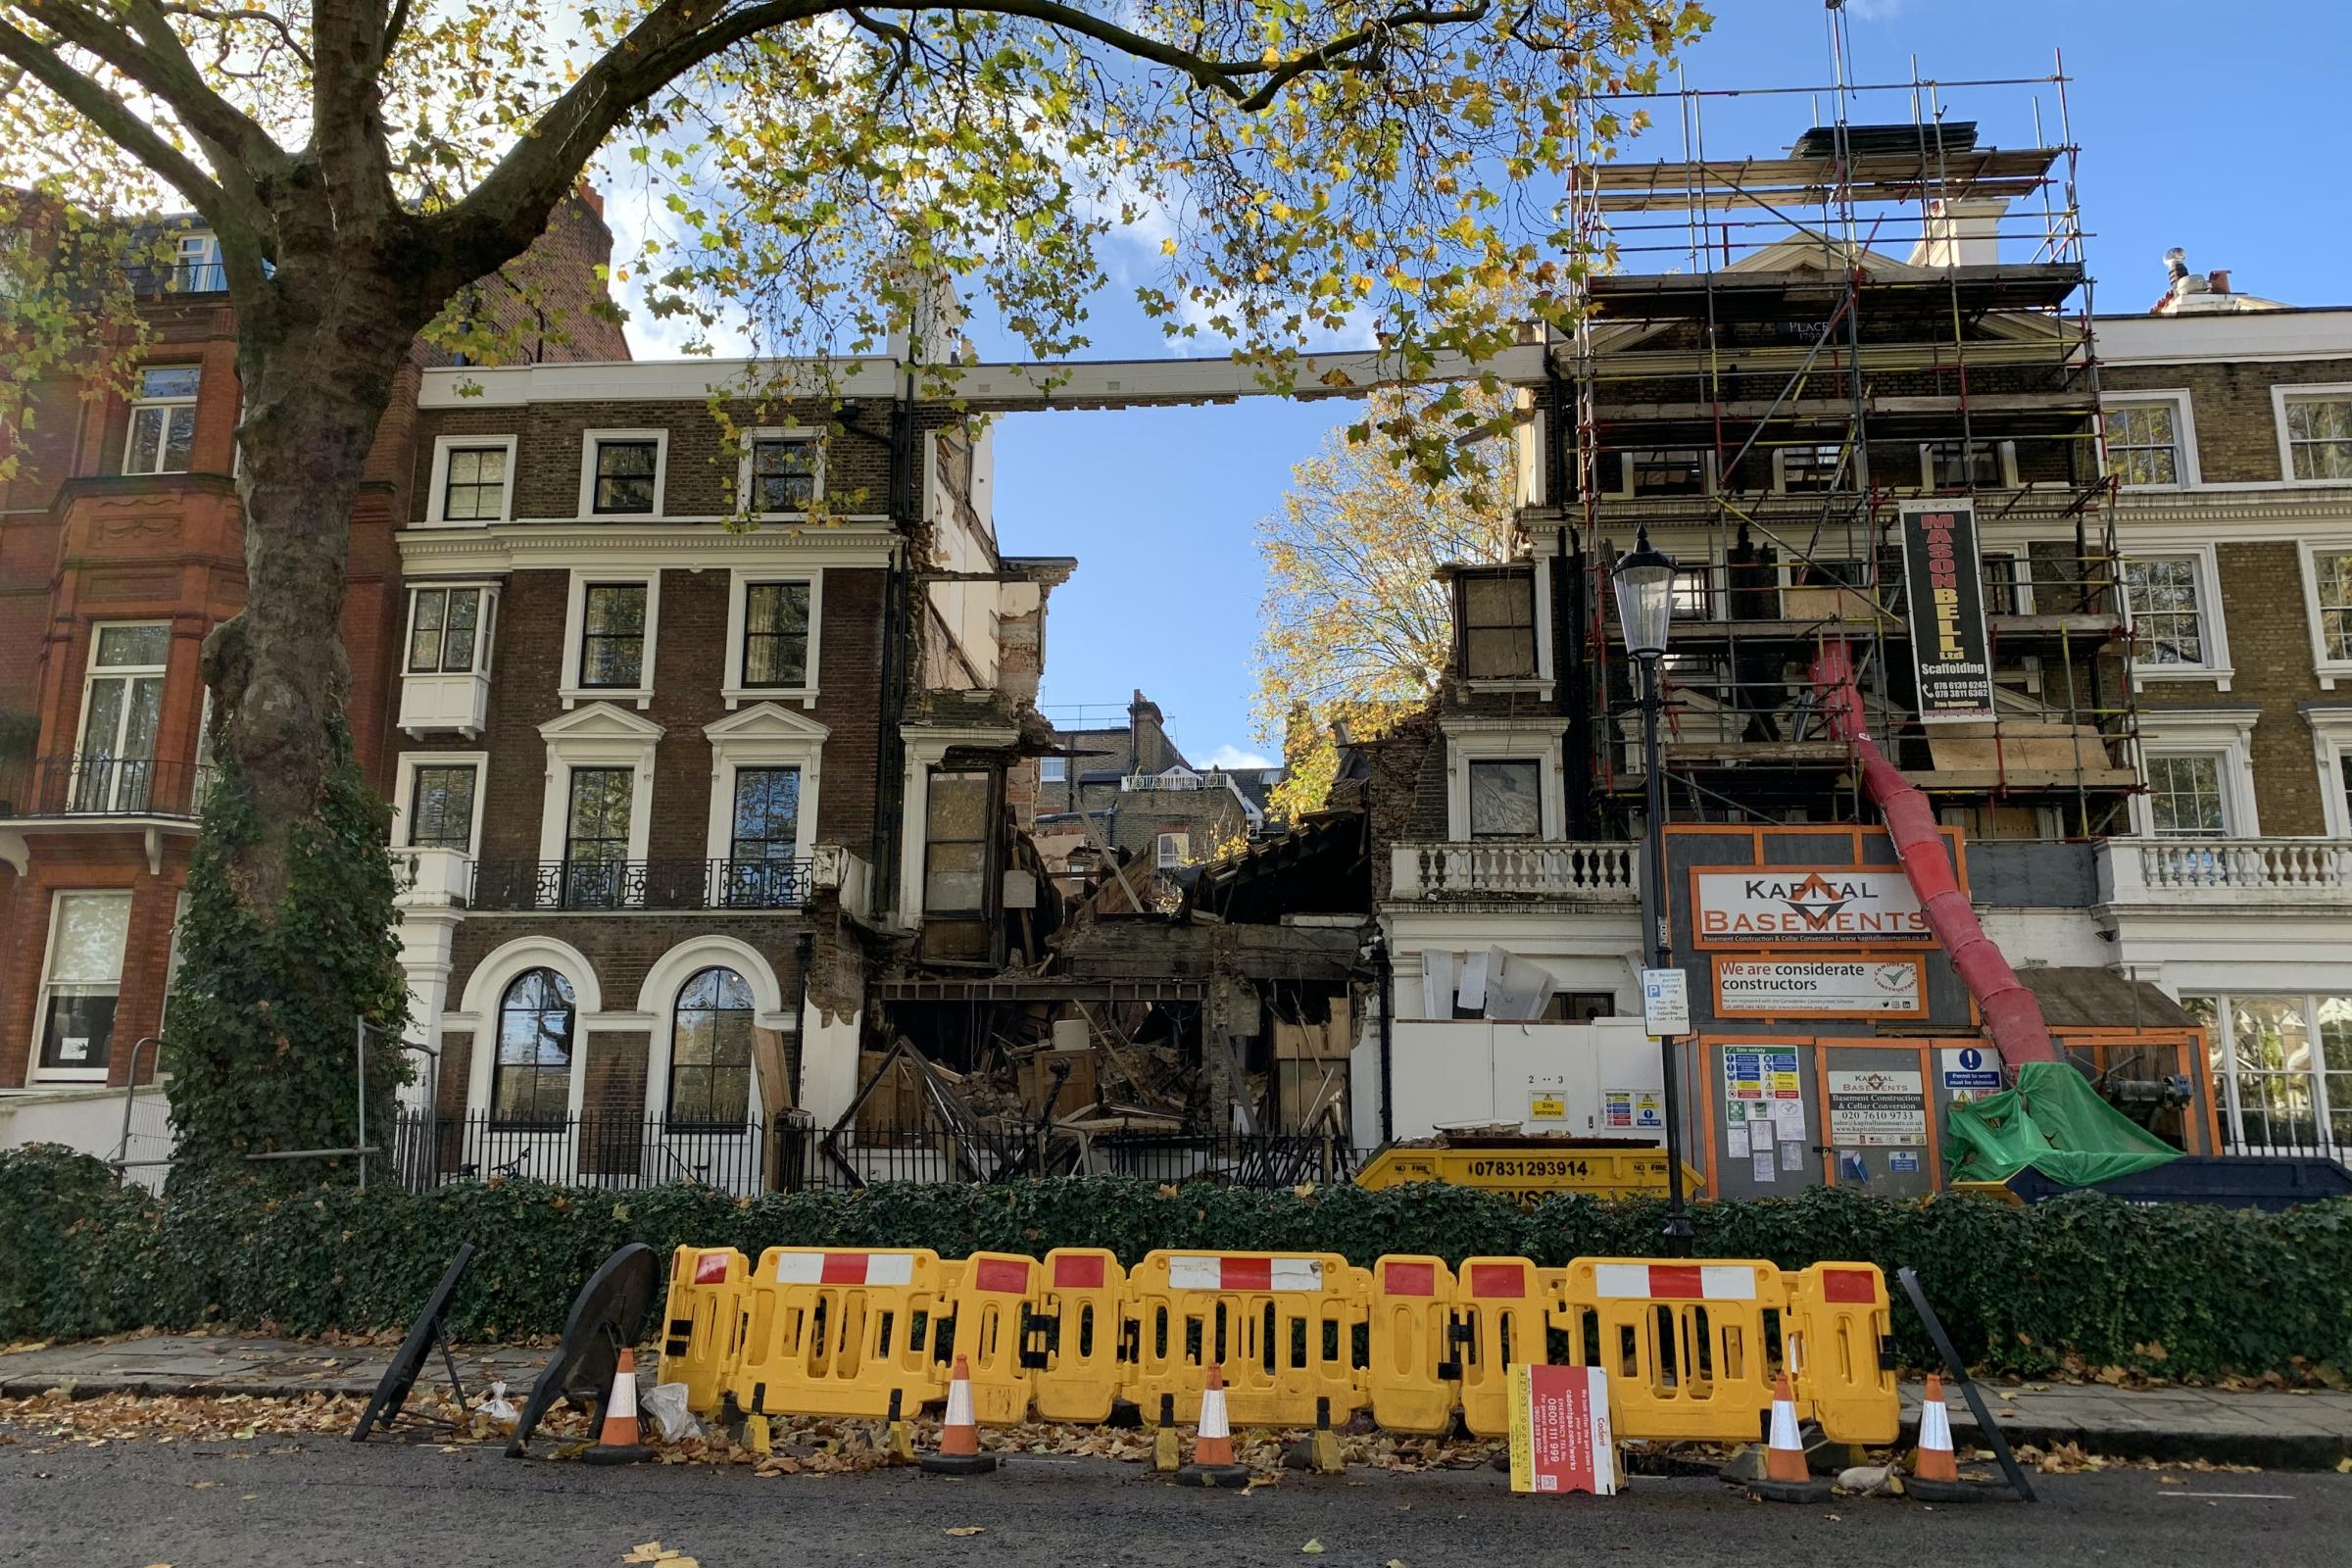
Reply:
x=314, y=1500
x=2275, y=1429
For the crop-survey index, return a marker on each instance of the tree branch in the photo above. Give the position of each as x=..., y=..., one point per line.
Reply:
x=267, y=18
x=157, y=62
x=115, y=119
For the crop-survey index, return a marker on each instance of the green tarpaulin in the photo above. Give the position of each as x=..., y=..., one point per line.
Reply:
x=2054, y=1121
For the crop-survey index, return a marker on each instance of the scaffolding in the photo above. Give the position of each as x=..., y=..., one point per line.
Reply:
x=1775, y=352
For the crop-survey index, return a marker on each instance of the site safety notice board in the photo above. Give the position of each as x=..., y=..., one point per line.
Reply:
x=1560, y=1437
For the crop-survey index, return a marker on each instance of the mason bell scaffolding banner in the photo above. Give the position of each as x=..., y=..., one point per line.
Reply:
x=1944, y=600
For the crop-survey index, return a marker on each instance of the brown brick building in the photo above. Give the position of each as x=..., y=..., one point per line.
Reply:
x=698, y=719
x=121, y=547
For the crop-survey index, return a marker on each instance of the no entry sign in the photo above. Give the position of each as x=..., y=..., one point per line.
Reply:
x=1560, y=1429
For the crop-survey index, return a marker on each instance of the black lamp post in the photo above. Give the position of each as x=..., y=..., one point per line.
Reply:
x=1644, y=579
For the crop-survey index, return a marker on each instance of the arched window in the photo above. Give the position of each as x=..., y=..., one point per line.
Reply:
x=531, y=1084
x=711, y=1052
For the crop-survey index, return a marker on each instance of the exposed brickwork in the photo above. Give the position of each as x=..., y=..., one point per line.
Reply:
x=2237, y=420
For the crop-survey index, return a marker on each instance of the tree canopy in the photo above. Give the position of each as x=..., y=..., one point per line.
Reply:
x=1356, y=628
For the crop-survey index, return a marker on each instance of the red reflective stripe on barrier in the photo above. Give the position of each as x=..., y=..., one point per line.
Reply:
x=1848, y=1285
x=1497, y=1279
x=842, y=1268
x=711, y=1269
x=1080, y=1273
x=1008, y=1275
x=1677, y=1282
x=1409, y=1279
x=1246, y=1274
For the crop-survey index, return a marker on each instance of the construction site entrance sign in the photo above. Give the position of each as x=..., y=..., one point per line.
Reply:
x=1944, y=603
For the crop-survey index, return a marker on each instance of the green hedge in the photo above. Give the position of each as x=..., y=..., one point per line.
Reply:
x=2183, y=1291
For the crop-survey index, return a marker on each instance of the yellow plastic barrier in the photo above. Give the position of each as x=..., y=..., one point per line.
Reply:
x=1282, y=1324
x=1412, y=1370
x=990, y=1297
x=1502, y=1308
x=702, y=1322
x=1685, y=1344
x=1072, y=1344
x=1836, y=1319
x=838, y=1332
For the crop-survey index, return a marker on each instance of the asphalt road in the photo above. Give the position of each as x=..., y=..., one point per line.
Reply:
x=318, y=1501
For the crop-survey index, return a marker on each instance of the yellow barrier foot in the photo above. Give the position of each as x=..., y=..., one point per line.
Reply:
x=899, y=1442
x=756, y=1436
x=1167, y=1449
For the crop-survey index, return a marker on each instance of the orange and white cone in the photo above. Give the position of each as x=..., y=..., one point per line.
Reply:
x=616, y=1442
x=1212, y=1443
x=959, y=1436
x=1787, y=1476
x=1933, y=1460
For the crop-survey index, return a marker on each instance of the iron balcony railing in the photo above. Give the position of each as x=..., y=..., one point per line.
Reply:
x=94, y=785
x=641, y=884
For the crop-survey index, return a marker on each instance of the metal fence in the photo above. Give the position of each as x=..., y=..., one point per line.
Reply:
x=617, y=1151
x=859, y=1156
x=622, y=1152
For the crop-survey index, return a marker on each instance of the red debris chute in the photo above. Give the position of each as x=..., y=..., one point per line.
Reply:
x=2012, y=1016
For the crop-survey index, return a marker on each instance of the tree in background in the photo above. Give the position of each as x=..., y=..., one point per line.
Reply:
x=1355, y=629
x=1309, y=167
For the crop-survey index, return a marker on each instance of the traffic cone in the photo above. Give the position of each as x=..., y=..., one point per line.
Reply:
x=960, y=1439
x=1212, y=1444
x=616, y=1442
x=1786, y=1477
x=1933, y=1460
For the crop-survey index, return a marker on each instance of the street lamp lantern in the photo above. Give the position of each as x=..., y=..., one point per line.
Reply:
x=1644, y=598
x=1644, y=612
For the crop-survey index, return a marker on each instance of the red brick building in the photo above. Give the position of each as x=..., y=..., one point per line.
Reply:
x=121, y=547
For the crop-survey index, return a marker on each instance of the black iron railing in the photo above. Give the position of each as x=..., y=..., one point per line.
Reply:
x=640, y=884
x=596, y=1149
x=92, y=785
x=862, y=1156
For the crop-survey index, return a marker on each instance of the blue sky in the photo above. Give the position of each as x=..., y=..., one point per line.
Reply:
x=2217, y=128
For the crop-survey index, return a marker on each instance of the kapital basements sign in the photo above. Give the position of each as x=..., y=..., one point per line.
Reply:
x=1816, y=907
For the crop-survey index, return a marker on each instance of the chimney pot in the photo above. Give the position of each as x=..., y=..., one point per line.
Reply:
x=2219, y=281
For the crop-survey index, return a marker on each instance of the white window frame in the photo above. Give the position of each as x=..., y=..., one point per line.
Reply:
x=2227, y=734
x=575, y=629
x=765, y=735
x=739, y=586
x=600, y=735
x=2284, y=393
x=1540, y=592
x=1061, y=766
x=485, y=625
x=130, y=432
x=2329, y=670
x=436, y=497
x=1504, y=741
x=1169, y=850
x=2332, y=743
x=2229, y=1107
x=588, y=444
x=778, y=432
x=2006, y=451
x=2211, y=622
x=2185, y=434
x=657, y=1000
x=404, y=792
x=35, y=1072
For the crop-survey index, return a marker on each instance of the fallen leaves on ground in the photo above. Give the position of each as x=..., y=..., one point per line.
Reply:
x=237, y=1417
x=962, y=1531
x=654, y=1551
x=2068, y=1458
x=1313, y=1549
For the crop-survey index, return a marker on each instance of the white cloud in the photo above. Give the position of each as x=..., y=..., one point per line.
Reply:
x=1233, y=757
